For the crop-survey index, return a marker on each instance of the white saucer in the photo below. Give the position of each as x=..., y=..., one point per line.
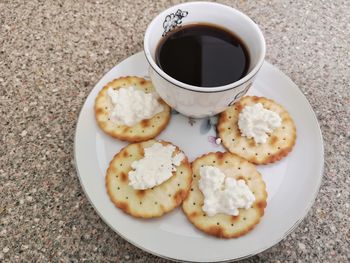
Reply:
x=292, y=183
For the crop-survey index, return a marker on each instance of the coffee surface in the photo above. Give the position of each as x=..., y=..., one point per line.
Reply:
x=203, y=55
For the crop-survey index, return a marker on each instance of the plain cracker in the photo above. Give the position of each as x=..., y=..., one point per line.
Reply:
x=147, y=203
x=223, y=225
x=279, y=143
x=143, y=130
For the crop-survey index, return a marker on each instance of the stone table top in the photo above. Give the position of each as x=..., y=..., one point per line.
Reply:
x=51, y=55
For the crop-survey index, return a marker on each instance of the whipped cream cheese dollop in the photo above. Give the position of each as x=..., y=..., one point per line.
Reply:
x=256, y=122
x=131, y=105
x=156, y=167
x=223, y=194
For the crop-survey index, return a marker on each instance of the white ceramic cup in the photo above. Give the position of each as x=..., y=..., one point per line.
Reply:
x=196, y=101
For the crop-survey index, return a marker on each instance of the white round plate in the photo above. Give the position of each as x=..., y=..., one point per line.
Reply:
x=292, y=183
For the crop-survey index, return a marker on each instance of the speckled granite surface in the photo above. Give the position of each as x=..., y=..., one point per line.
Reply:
x=52, y=53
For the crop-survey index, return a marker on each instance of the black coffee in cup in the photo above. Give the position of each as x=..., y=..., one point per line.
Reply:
x=203, y=55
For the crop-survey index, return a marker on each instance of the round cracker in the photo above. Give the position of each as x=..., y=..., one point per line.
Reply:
x=147, y=203
x=223, y=225
x=141, y=131
x=279, y=143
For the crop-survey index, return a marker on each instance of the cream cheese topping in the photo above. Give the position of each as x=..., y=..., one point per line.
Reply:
x=131, y=105
x=156, y=167
x=257, y=122
x=223, y=194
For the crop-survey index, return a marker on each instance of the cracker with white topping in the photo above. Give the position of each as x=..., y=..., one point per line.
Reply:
x=279, y=143
x=223, y=225
x=141, y=131
x=148, y=203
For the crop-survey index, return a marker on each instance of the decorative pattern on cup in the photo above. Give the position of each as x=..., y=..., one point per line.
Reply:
x=173, y=20
x=240, y=94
